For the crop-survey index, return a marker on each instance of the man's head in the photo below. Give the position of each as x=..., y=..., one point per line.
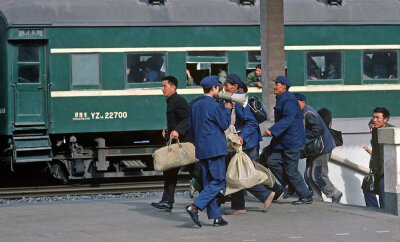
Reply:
x=380, y=117
x=258, y=70
x=282, y=84
x=301, y=99
x=211, y=86
x=169, y=85
x=232, y=83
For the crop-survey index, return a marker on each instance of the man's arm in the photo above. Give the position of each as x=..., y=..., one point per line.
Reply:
x=288, y=116
x=313, y=126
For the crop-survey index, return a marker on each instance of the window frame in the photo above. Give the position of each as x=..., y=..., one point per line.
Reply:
x=86, y=86
x=383, y=80
x=325, y=81
x=249, y=64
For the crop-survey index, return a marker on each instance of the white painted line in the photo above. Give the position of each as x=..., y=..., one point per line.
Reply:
x=296, y=237
x=342, y=234
x=382, y=231
x=342, y=47
x=155, y=49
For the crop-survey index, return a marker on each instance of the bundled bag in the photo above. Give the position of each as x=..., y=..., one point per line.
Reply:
x=270, y=181
x=337, y=136
x=174, y=155
x=241, y=173
x=368, y=184
x=258, y=109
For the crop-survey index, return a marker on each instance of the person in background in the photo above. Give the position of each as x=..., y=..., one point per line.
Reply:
x=380, y=120
x=208, y=121
x=316, y=173
x=254, y=78
x=250, y=135
x=221, y=75
x=178, y=128
x=189, y=78
x=288, y=140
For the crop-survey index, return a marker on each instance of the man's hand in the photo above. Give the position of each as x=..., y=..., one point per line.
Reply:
x=163, y=133
x=267, y=133
x=228, y=105
x=241, y=140
x=367, y=149
x=174, y=135
x=259, y=84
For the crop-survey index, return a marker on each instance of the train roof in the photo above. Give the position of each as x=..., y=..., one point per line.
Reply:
x=192, y=12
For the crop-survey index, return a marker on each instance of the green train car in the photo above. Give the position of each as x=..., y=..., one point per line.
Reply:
x=80, y=81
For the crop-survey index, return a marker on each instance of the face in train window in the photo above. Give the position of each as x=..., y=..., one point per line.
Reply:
x=324, y=65
x=85, y=69
x=200, y=64
x=380, y=65
x=145, y=67
x=28, y=64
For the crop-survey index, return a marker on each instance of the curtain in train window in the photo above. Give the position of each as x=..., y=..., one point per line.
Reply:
x=324, y=65
x=380, y=65
x=85, y=69
x=145, y=67
x=200, y=64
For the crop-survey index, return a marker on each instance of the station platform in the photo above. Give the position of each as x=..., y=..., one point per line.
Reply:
x=136, y=220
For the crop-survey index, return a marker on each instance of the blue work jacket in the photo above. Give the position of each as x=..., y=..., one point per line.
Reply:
x=247, y=124
x=208, y=121
x=288, y=130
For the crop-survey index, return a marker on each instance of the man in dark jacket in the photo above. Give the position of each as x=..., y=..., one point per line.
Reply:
x=316, y=173
x=288, y=140
x=208, y=121
x=177, y=128
x=380, y=119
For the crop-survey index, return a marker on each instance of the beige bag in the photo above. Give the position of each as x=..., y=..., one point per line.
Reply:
x=174, y=155
x=270, y=181
x=241, y=173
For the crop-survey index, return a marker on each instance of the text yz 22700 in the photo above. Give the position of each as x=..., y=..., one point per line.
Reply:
x=109, y=115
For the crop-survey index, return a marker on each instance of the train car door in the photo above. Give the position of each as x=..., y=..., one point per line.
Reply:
x=29, y=79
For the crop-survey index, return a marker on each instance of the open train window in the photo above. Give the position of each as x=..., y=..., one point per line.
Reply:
x=145, y=67
x=85, y=70
x=200, y=64
x=253, y=60
x=380, y=65
x=324, y=65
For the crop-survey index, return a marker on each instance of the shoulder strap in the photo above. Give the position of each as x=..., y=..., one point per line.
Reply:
x=233, y=114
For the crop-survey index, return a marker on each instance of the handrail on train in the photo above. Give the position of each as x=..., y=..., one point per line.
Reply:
x=349, y=164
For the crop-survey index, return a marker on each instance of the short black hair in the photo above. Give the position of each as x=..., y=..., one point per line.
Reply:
x=385, y=113
x=171, y=80
x=258, y=66
x=207, y=89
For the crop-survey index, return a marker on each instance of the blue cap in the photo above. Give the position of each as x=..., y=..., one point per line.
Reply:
x=210, y=81
x=283, y=80
x=299, y=96
x=234, y=79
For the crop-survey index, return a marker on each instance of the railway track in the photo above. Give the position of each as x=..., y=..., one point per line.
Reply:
x=86, y=189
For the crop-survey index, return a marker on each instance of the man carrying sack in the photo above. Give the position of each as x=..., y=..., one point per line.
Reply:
x=208, y=121
x=178, y=128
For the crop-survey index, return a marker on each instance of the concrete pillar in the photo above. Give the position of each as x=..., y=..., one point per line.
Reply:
x=390, y=137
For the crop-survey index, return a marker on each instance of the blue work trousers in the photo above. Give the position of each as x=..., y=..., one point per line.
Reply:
x=214, y=173
x=259, y=191
x=286, y=162
x=370, y=198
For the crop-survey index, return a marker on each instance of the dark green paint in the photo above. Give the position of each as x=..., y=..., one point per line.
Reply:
x=237, y=63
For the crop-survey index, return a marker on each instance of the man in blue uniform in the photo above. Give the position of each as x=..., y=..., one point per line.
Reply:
x=208, y=121
x=288, y=140
x=250, y=135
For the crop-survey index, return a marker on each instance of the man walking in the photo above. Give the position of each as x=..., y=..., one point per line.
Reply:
x=178, y=128
x=208, y=121
x=380, y=119
x=288, y=140
x=316, y=173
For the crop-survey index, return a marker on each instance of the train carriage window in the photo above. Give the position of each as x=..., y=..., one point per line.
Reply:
x=380, y=65
x=145, y=67
x=28, y=64
x=253, y=59
x=200, y=64
x=324, y=65
x=85, y=69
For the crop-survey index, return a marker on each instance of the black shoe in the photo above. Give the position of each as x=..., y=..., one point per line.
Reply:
x=220, y=222
x=163, y=205
x=220, y=199
x=193, y=215
x=278, y=195
x=306, y=200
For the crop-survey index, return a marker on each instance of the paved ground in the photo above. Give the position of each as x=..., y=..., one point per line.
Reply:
x=136, y=220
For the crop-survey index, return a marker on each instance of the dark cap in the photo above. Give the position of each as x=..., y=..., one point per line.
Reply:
x=210, y=81
x=234, y=79
x=299, y=96
x=283, y=80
